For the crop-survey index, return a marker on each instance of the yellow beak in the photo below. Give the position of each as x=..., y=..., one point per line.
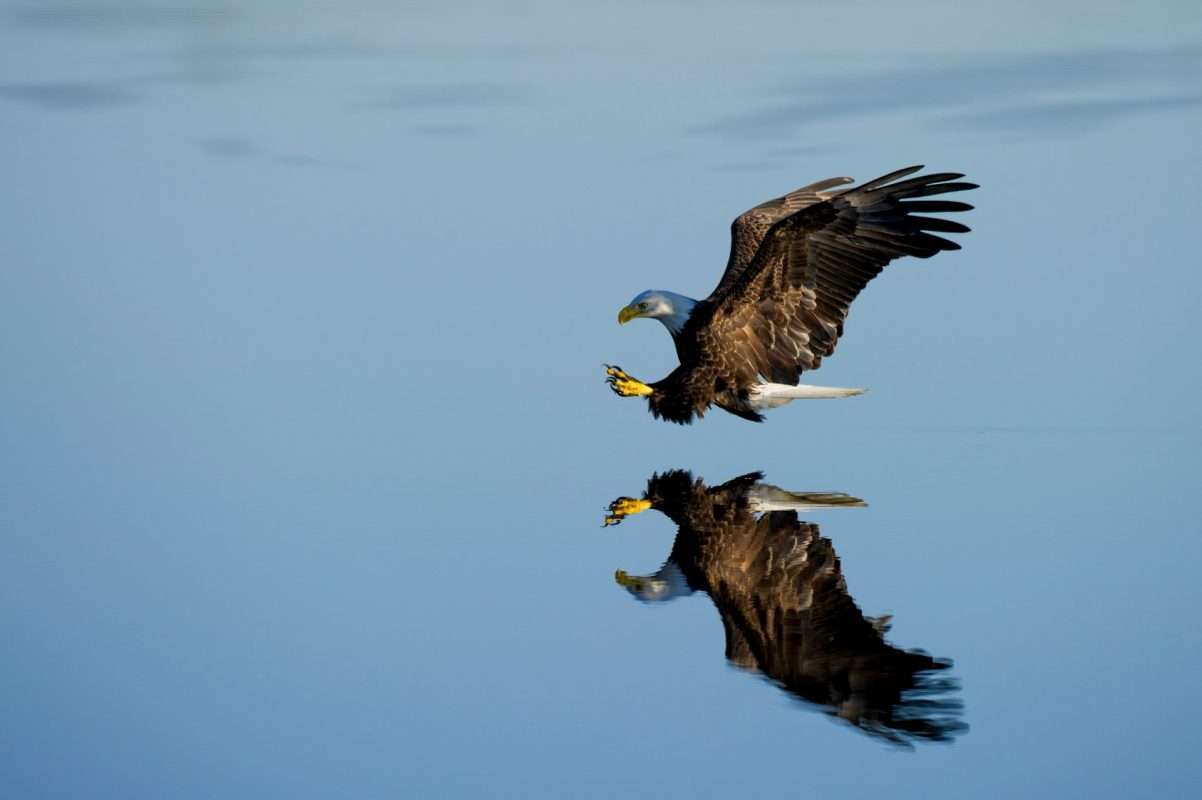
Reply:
x=622, y=578
x=627, y=314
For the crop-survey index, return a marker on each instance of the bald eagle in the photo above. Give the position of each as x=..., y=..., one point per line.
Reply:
x=779, y=589
x=796, y=264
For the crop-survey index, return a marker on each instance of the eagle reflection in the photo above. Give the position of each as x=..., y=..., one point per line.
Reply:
x=779, y=588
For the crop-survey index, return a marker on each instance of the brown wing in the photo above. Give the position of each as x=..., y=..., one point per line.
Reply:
x=748, y=230
x=779, y=587
x=785, y=311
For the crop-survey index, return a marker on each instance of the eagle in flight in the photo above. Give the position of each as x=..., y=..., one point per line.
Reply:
x=796, y=264
x=778, y=586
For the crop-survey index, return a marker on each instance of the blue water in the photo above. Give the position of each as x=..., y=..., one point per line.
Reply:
x=305, y=445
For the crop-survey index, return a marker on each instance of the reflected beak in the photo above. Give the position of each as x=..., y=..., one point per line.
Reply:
x=622, y=578
x=627, y=314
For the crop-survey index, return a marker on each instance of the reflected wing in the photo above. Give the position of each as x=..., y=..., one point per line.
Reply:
x=784, y=311
x=787, y=612
x=749, y=228
x=778, y=586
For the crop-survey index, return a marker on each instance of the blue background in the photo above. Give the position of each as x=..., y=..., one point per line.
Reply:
x=304, y=443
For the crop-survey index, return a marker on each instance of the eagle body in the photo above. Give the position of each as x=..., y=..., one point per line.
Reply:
x=779, y=589
x=796, y=264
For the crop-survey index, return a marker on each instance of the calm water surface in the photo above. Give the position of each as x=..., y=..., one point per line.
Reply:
x=305, y=447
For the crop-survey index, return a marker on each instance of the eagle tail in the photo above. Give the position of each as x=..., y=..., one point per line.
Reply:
x=765, y=497
x=774, y=395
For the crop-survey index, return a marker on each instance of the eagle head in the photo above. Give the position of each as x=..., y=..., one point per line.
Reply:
x=668, y=307
x=667, y=584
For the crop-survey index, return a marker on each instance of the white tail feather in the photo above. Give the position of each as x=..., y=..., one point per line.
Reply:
x=774, y=395
x=765, y=497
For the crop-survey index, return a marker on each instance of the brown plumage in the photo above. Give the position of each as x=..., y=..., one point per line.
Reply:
x=796, y=264
x=778, y=586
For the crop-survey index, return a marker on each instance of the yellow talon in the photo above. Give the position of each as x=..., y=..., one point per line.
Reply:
x=624, y=385
x=623, y=507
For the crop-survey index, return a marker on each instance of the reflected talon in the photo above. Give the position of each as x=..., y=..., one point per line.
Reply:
x=623, y=507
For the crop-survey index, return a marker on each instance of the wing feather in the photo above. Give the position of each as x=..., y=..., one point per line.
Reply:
x=783, y=311
x=748, y=229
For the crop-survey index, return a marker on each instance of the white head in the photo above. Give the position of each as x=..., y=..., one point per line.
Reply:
x=668, y=307
x=667, y=584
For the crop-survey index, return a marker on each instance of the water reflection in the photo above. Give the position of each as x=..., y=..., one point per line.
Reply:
x=68, y=95
x=1057, y=88
x=450, y=96
x=779, y=588
x=137, y=15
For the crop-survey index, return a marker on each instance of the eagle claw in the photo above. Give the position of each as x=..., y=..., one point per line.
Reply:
x=623, y=385
x=623, y=507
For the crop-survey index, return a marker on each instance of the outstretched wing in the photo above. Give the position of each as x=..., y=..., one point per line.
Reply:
x=780, y=588
x=748, y=230
x=784, y=311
